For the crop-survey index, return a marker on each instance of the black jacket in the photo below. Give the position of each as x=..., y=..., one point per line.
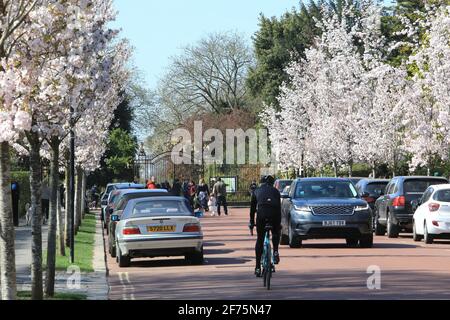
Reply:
x=267, y=202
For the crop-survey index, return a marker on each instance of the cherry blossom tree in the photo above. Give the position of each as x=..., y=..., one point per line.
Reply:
x=14, y=120
x=329, y=111
x=427, y=100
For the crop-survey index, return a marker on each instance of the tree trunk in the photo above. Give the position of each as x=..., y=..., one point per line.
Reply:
x=36, y=219
x=60, y=222
x=69, y=203
x=79, y=181
x=335, y=167
x=51, y=241
x=374, y=171
x=350, y=168
x=7, y=233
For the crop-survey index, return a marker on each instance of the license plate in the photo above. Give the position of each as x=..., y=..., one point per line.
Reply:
x=161, y=229
x=334, y=223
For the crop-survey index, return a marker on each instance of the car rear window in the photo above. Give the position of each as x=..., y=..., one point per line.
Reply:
x=160, y=208
x=442, y=196
x=376, y=187
x=283, y=184
x=418, y=186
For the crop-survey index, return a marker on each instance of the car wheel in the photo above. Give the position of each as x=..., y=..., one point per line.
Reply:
x=366, y=242
x=392, y=230
x=379, y=229
x=112, y=250
x=428, y=238
x=124, y=261
x=352, y=243
x=294, y=241
x=196, y=258
x=416, y=237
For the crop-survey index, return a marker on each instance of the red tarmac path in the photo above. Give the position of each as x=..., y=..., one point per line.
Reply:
x=321, y=270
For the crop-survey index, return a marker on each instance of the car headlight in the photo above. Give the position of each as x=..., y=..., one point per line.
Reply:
x=302, y=208
x=362, y=208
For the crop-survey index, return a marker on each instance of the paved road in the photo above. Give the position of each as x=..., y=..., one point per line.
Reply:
x=323, y=269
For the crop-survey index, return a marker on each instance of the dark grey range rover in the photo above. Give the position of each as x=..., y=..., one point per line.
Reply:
x=325, y=208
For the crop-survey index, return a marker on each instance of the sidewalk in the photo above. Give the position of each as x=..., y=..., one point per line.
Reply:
x=94, y=285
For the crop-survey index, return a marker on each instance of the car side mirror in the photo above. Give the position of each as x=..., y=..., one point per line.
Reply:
x=365, y=195
x=115, y=218
x=111, y=211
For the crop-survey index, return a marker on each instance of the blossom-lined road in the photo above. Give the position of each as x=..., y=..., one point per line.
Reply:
x=322, y=269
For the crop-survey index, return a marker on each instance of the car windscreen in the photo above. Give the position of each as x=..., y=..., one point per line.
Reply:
x=283, y=184
x=325, y=189
x=418, y=186
x=376, y=188
x=442, y=196
x=158, y=208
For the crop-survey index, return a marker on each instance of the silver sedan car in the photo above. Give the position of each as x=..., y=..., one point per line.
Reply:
x=157, y=226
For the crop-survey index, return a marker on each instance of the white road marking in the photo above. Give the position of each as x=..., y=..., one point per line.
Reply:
x=127, y=286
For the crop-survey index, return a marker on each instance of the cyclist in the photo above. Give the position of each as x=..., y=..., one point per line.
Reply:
x=267, y=204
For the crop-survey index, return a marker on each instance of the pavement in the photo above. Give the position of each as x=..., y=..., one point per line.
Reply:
x=93, y=284
x=321, y=270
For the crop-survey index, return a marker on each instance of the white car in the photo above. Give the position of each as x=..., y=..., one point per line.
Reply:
x=432, y=217
x=157, y=226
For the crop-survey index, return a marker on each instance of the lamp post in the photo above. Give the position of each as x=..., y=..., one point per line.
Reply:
x=71, y=203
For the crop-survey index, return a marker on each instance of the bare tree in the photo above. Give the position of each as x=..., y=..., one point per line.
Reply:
x=209, y=76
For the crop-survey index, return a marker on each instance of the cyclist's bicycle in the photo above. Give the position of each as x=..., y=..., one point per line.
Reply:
x=267, y=263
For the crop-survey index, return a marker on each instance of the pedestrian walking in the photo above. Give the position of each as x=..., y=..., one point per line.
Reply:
x=176, y=188
x=192, y=193
x=15, y=197
x=253, y=187
x=95, y=196
x=45, y=200
x=220, y=193
x=151, y=184
x=203, y=194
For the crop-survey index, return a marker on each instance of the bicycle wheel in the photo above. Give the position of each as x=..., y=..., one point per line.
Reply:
x=269, y=270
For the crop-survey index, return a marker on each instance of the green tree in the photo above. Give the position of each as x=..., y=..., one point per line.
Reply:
x=117, y=163
x=122, y=148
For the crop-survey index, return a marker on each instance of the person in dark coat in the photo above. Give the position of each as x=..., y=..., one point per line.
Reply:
x=203, y=194
x=176, y=188
x=15, y=196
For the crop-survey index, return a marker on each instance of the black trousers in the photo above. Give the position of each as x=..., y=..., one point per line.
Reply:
x=15, y=208
x=222, y=201
x=45, y=208
x=261, y=234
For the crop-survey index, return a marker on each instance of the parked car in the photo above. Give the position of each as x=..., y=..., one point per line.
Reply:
x=280, y=184
x=371, y=189
x=111, y=187
x=432, y=218
x=325, y=208
x=158, y=226
x=394, y=211
x=120, y=203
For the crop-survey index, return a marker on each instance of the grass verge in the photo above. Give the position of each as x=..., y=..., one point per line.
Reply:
x=84, y=248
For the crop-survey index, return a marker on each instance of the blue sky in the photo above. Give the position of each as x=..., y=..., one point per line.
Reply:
x=158, y=29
